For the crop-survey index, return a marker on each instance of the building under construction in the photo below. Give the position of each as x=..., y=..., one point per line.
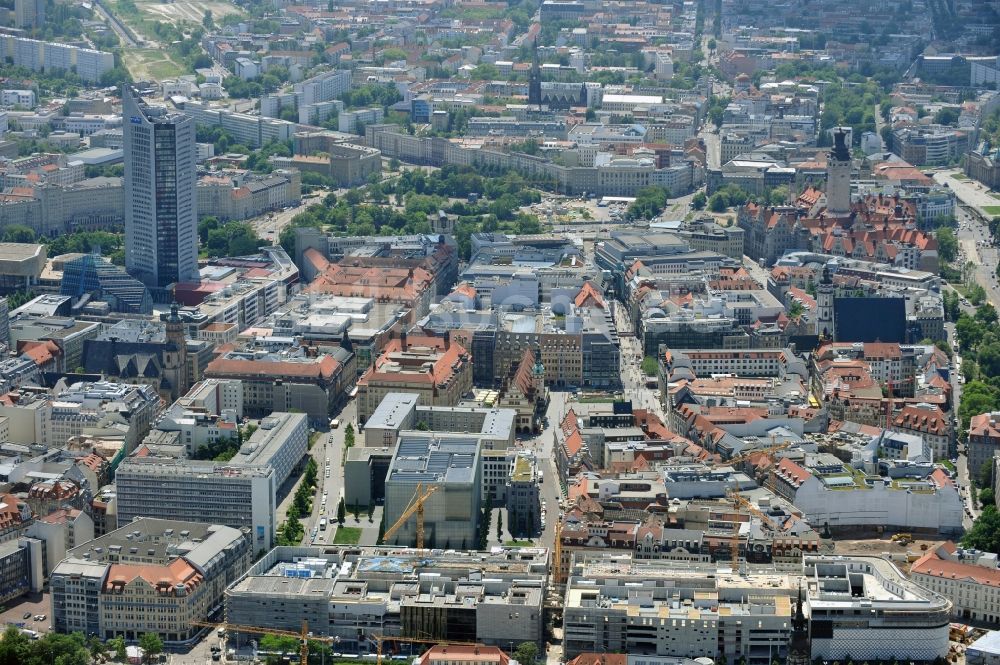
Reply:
x=357, y=594
x=449, y=463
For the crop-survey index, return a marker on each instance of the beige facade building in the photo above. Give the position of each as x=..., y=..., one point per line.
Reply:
x=151, y=576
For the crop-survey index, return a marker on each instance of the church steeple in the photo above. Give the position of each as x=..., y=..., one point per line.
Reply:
x=799, y=645
x=535, y=78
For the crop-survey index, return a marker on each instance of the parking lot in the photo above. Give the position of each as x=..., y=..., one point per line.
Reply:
x=35, y=604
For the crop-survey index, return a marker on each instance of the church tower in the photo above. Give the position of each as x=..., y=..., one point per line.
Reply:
x=799, y=646
x=838, y=177
x=175, y=359
x=538, y=374
x=824, y=305
x=535, y=78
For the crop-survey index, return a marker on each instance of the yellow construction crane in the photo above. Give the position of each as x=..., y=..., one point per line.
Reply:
x=416, y=506
x=769, y=451
x=381, y=639
x=746, y=504
x=303, y=635
x=734, y=543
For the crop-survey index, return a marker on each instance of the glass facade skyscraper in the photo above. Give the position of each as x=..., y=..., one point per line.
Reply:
x=161, y=215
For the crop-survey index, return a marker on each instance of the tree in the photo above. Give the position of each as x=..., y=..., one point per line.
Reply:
x=526, y=653
x=946, y=116
x=151, y=646
x=649, y=202
x=985, y=532
x=96, y=647
x=717, y=203
x=947, y=244
x=18, y=233
x=649, y=366
x=699, y=201
x=341, y=512
x=116, y=645
x=499, y=526
x=986, y=314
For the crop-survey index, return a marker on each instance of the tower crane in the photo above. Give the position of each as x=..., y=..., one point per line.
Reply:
x=769, y=451
x=416, y=506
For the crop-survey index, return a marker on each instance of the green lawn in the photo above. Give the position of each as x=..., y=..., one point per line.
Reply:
x=518, y=543
x=959, y=176
x=991, y=210
x=347, y=535
x=947, y=464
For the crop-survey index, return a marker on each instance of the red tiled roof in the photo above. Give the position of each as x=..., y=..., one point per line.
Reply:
x=792, y=472
x=931, y=564
x=324, y=368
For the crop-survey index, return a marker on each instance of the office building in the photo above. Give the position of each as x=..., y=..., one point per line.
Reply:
x=401, y=415
x=161, y=215
x=617, y=604
x=524, y=517
x=437, y=369
x=286, y=381
x=127, y=409
x=358, y=593
x=280, y=442
x=856, y=605
x=150, y=576
x=208, y=492
x=95, y=275
x=21, y=568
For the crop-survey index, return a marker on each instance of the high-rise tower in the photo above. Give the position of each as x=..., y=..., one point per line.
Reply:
x=838, y=177
x=161, y=209
x=535, y=78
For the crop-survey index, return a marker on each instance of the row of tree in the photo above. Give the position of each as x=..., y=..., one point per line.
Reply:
x=16, y=648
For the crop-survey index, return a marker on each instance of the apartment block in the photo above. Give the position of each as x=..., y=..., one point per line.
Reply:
x=35, y=55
